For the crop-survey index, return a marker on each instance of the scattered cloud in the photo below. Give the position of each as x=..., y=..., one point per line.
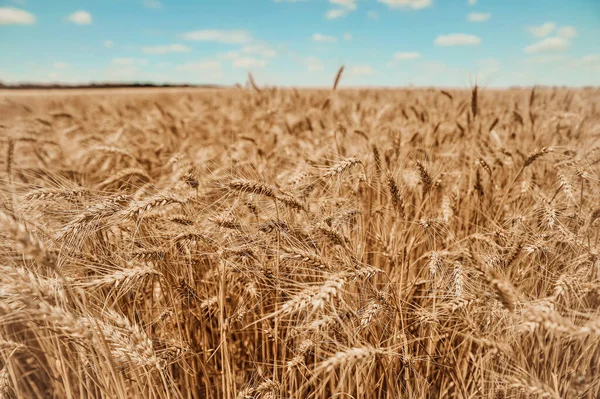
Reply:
x=249, y=62
x=414, y=4
x=80, y=17
x=252, y=55
x=252, y=49
x=373, y=15
x=344, y=7
x=166, y=48
x=221, y=36
x=557, y=43
x=472, y=2
x=15, y=16
x=347, y=36
x=199, y=65
x=567, y=32
x=152, y=4
x=547, y=45
x=108, y=44
x=542, y=30
x=361, y=70
x=403, y=56
x=60, y=65
x=478, y=16
x=457, y=39
x=314, y=64
x=351, y=4
x=317, y=37
x=128, y=61
x=407, y=55
x=336, y=13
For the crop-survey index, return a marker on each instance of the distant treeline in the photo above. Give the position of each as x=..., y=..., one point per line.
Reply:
x=38, y=86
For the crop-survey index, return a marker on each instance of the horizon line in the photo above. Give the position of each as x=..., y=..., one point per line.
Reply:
x=25, y=85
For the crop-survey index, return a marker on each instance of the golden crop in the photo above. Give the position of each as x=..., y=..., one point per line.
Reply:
x=279, y=243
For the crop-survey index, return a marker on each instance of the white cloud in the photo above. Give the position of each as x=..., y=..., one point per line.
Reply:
x=548, y=45
x=407, y=55
x=345, y=7
x=414, y=4
x=152, y=4
x=249, y=62
x=128, y=61
x=314, y=64
x=221, y=36
x=252, y=55
x=542, y=30
x=166, y=48
x=457, y=39
x=351, y=4
x=478, y=16
x=80, y=17
x=362, y=70
x=60, y=65
x=568, y=32
x=372, y=15
x=472, y=2
x=15, y=16
x=19, y=2
x=201, y=65
x=347, y=36
x=108, y=44
x=53, y=75
x=317, y=37
x=336, y=13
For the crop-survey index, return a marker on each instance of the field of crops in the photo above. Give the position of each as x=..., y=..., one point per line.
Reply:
x=278, y=243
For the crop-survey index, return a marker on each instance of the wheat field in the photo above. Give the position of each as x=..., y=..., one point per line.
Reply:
x=257, y=242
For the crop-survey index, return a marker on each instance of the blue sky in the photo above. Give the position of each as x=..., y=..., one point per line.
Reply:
x=449, y=43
